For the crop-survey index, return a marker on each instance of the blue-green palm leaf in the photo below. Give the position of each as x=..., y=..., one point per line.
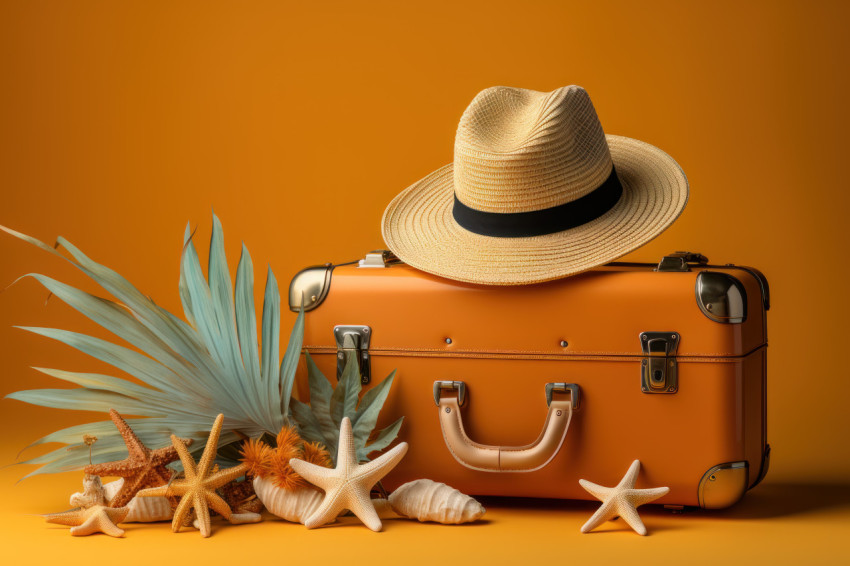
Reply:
x=321, y=419
x=189, y=371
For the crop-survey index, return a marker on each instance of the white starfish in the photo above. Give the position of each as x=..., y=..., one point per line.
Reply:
x=621, y=501
x=348, y=485
x=95, y=519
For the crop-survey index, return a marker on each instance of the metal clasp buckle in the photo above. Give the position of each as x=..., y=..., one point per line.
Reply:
x=378, y=258
x=678, y=261
x=659, y=370
x=353, y=341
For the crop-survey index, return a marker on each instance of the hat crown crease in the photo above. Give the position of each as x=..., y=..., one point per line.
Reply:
x=519, y=150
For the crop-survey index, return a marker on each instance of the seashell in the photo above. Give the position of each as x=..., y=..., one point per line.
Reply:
x=92, y=494
x=142, y=509
x=295, y=506
x=428, y=500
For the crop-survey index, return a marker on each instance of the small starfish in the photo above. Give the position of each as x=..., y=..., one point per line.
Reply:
x=197, y=489
x=142, y=468
x=348, y=485
x=96, y=519
x=621, y=501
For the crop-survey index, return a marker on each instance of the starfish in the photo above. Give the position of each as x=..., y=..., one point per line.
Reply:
x=96, y=519
x=197, y=489
x=621, y=501
x=348, y=485
x=142, y=468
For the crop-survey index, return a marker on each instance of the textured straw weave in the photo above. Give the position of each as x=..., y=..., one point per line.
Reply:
x=518, y=150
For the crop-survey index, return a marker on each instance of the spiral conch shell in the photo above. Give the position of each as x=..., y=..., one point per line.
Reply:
x=293, y=506
x=142, y=509
x=427, y=500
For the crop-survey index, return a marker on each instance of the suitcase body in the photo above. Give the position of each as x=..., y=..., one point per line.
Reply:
x=521, y=391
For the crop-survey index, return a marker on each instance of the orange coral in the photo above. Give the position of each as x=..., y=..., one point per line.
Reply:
x=316, y=453
x=289, y=442
x=257, y=455
x=289, y=445
x=282, y=474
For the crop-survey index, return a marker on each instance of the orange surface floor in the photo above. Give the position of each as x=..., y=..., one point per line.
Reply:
x=776, y=523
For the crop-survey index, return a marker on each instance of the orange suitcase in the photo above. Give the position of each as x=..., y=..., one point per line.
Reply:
x=521, y=391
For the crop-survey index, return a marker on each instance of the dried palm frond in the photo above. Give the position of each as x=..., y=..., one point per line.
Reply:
x=191, y=371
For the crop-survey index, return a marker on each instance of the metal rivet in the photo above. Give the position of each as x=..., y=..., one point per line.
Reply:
x=448, y=340
x=313, y=298
x=712, y=477
x=559, y=413
x=673, y=336
x=564, y=344
x=643, y=338
x=448, y=409
x=340, y=355
x=366, y=330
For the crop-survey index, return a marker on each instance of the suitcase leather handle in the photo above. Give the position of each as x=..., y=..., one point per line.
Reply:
x=505, y=458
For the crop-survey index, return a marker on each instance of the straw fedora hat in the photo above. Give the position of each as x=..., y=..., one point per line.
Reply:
x=536, y=191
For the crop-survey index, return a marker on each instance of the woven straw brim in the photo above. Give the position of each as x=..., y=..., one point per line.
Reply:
x=419, y=228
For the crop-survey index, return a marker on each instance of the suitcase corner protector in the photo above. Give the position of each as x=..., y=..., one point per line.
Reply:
x=723, y=485
x=309, y=287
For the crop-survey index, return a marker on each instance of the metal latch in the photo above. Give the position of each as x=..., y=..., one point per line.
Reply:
x=678, y=261
x=353, y=340
x=659, y=369
x=378, y=258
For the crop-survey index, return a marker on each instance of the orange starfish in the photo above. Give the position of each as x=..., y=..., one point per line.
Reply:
x=142, y=468
x=197, y=489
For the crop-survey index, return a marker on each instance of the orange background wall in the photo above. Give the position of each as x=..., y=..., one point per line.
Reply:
x=298, y=122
